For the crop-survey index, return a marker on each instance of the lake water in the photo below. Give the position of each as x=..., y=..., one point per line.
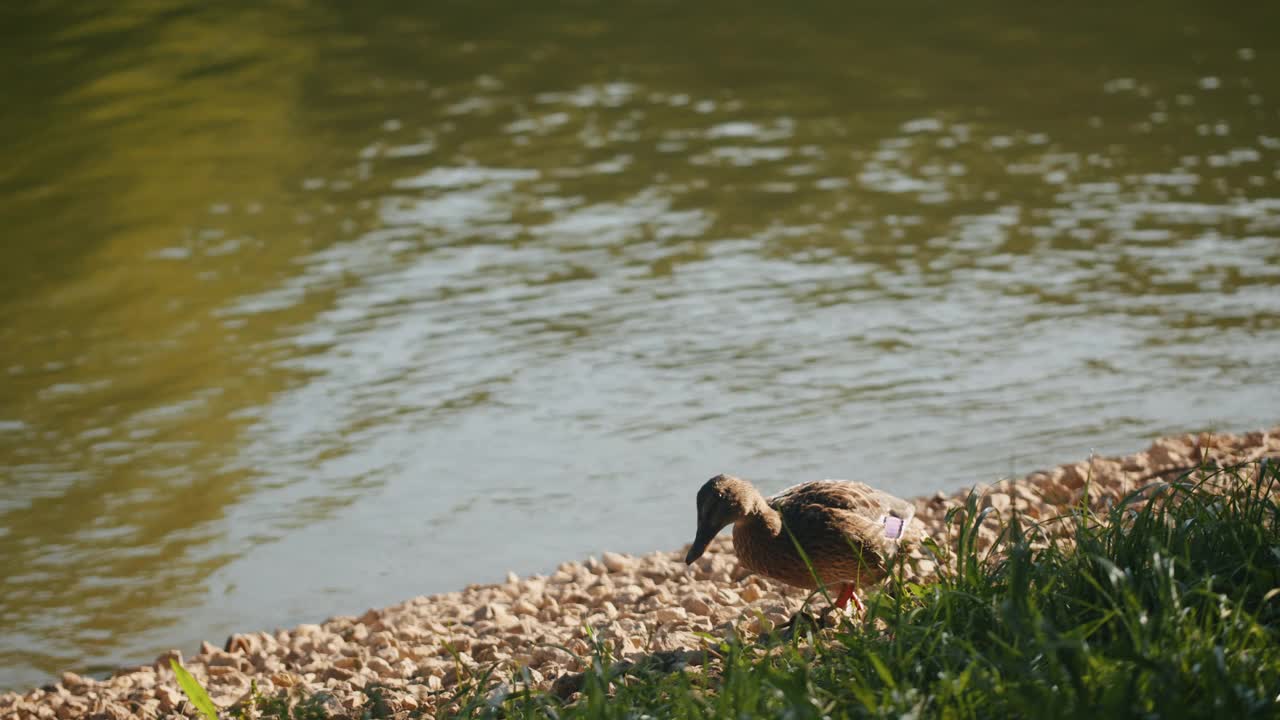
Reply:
x=306, y=308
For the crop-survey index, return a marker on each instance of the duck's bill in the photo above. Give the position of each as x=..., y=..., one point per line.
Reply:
x=699, y=546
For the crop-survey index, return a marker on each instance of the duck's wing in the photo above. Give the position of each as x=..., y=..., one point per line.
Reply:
x=848, y=495
x=848, y=529
x=873, y=517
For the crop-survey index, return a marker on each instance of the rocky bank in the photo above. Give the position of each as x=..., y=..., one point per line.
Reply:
x=531, y=630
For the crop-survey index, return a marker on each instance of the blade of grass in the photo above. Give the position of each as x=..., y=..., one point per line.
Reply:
x=194, y=691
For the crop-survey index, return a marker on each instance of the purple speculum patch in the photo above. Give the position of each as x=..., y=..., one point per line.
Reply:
x=893, y=527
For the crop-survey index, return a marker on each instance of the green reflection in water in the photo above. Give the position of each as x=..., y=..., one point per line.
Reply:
x=153, y=181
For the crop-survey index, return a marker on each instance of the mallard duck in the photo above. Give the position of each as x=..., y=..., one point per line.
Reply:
x=849, y=531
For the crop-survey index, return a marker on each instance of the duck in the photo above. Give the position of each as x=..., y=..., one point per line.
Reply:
x=850, y=532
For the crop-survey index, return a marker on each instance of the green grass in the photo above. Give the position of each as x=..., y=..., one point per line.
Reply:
x=194, y=691
x=1166, y=606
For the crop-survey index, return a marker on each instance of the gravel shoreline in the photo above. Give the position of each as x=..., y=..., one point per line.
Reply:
x=644, y=606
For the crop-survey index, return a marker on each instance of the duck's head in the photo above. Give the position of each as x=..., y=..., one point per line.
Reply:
x=722, y=501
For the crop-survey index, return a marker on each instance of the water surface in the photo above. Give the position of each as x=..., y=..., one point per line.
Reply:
x=307, y=308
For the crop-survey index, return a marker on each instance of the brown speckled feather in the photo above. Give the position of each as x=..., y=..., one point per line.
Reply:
x=840, y=525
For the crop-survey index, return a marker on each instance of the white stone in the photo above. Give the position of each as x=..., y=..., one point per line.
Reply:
x=615, y=563
x=671, y=614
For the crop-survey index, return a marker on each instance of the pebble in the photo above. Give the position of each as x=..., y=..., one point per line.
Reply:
x=696, y=605
x=614, y=562
x=524, y=607
x=1000, y=502
x=670, y=614
x=381, y=667
x=169, y=698
x=725, y=596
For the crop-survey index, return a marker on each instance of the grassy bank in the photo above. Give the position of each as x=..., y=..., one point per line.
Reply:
x=1166, y=606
